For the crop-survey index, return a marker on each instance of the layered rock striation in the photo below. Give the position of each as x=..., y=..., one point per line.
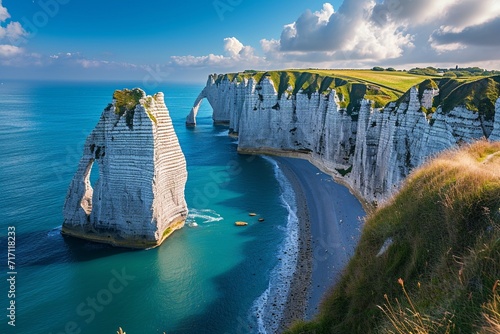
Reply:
x=138, y=199
x=339, y=129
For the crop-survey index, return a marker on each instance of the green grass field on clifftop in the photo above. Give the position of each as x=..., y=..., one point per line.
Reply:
x=477, y=93
x=397, y=81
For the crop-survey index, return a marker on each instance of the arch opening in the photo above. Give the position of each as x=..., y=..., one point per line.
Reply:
x=191, y=118
x=90, y=179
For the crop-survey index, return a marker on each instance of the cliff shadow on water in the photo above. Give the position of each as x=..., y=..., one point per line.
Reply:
x=51, y=247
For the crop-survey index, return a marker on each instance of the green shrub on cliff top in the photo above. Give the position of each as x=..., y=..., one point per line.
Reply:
x=445, y=230
x=424, y=71
x=125, y=102
x=426, y=85
x=127, y=99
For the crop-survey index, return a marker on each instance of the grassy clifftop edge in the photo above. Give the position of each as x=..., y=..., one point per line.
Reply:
x=476, y=94
x=429, y=260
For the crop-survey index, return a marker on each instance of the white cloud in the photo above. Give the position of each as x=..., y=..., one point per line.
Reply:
x=409, y=11
x=348, y=33
x=466, y=24
x=86, y=63
x=361, y=33
x=325, y=14
x=369, y=31
x=232, y=46
x=79, y=60
x=209, y=60
x=449, y=39
x=12, y=32
x=365, y=33
x=4, y=14
x=237, y=55
x=271, y=48
x=72, y=60
x=450, y=24
x=9, y=50
x=466, y=13
x=67, y=65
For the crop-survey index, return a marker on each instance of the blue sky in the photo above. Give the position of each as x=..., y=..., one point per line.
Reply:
x=158, y=28
x=186, y=40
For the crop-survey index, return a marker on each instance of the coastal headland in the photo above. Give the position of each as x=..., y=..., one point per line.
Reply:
x=366, y=130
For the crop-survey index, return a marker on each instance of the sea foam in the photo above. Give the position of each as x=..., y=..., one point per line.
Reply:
x=203, y=216
x=268, y=308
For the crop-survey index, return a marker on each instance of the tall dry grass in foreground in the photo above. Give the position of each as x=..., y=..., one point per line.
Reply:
x=491, y=313
x=410, y=320
x=445, y=229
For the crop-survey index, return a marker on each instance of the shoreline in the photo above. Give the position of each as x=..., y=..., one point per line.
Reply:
x=270, y=152
x=329, y=229
x=296, y=302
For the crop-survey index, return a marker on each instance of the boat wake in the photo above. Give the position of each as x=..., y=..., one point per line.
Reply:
x=224, y=133
x=197, y=217
x=55, y=232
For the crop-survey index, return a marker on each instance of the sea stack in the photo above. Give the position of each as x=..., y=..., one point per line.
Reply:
x=138, y=199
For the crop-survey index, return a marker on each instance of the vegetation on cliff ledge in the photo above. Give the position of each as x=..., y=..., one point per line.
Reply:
x=429, y=260
x=478, y=96
x=349, y=86
x=125, y=102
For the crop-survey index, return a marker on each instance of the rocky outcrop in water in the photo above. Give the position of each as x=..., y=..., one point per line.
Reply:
x=370, y=149
x=138, y=199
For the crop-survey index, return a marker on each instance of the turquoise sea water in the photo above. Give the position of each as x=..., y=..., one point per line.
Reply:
x=204, y=279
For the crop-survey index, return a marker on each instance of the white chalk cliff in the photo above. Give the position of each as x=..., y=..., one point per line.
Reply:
x=371, y=149
x=138, y=199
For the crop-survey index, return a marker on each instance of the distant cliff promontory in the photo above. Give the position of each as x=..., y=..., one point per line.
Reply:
x=369, y=128
x=138, y=199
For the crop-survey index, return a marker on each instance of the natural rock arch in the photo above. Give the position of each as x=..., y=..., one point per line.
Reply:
x=191, y=118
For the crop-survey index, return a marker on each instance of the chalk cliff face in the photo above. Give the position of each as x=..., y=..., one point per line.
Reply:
x=370, y=149
x=138, y=199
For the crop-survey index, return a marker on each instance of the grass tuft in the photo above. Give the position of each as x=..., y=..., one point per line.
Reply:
x=405, y=319
x=491, y=312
